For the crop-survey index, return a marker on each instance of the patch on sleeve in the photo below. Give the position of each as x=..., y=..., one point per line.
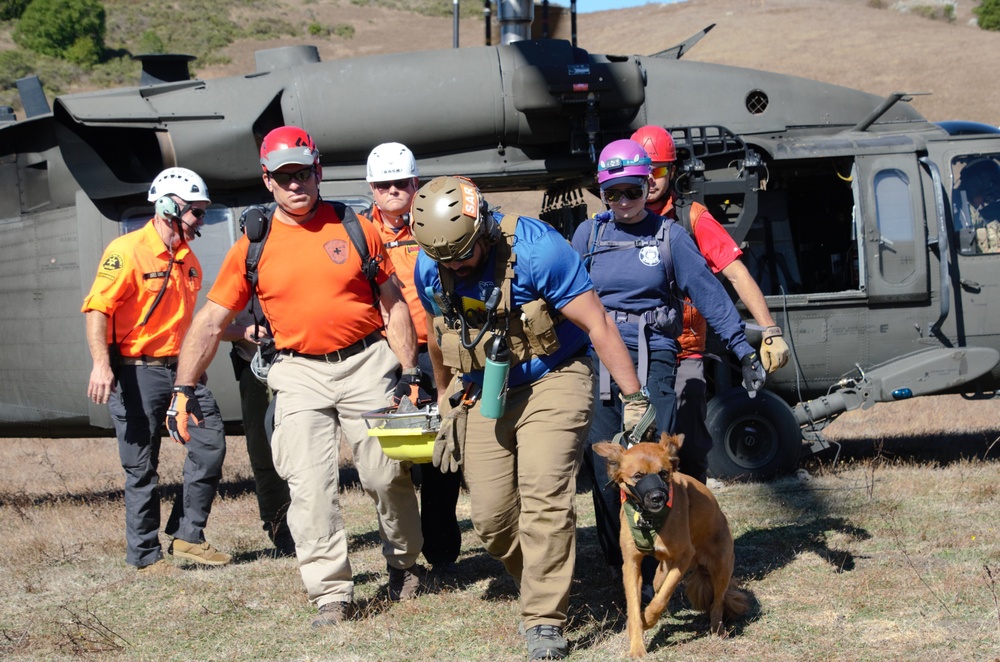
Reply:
x=112, y=266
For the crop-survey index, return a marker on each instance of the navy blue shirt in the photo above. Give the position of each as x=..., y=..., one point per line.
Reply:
x=634, y=280
x=546, y=268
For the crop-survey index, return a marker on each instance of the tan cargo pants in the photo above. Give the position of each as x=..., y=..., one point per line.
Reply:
x=317, y=400
x=521, y=472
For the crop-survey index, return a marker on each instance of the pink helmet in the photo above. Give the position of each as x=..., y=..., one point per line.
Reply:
x=659, y=144
x=623, y=162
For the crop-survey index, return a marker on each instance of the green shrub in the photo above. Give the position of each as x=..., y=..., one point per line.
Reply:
x=69, y=29
x=151, y=42
x=344, y=30
x=988, y=14
x=10, y=9
x=319, y=30
x=13, y=65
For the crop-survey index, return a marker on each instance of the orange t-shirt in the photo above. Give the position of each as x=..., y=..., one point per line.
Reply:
x=133, y=270
x=310, y=284
x=404, y=258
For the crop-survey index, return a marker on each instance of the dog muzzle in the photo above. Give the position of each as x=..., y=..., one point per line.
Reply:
x=650, y=493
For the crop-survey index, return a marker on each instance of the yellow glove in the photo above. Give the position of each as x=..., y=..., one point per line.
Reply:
x=773, y=350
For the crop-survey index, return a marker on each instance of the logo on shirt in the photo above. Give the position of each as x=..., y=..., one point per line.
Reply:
x=111, y=266
x=337, y=250
x=649, y=255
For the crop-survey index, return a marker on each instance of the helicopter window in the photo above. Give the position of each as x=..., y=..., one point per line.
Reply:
x=894, y=213
x=976, y=203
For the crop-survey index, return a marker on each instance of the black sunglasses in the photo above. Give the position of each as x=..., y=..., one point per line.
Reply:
x=615, y=194
x=400, y=184
x=465, y=256
x=197, y=212
x=285, y=178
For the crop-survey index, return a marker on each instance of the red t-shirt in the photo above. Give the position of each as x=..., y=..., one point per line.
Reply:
x=309, y=284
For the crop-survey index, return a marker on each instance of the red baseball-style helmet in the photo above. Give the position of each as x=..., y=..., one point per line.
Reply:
x=287, y=144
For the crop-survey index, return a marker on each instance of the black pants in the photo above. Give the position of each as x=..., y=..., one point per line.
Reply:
x=438, y=499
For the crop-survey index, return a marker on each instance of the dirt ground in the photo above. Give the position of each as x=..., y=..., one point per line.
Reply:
x=845, y=42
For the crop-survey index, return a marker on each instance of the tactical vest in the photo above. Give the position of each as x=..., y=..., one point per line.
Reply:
x=530, y=329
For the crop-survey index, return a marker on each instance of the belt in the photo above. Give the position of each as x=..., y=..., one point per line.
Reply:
x=340, y=354
x=149, y=360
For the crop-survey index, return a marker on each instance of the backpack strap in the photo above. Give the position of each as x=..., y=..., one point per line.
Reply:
x=256, y=224
x=369, y=265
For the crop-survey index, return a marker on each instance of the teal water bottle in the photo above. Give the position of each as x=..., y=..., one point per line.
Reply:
x=494, y=398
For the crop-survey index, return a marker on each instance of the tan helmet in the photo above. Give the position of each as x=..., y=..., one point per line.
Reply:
x=448, y=216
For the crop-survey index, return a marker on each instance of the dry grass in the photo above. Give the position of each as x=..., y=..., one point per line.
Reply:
x=875, y=559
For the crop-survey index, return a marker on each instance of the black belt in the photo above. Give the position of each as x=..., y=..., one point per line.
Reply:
x=162, y=361
x=340, y=354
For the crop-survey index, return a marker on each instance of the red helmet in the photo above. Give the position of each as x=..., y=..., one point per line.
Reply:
x=657, y=142
x=287, y=144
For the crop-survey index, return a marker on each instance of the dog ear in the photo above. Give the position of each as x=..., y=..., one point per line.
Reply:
x=613, y=452
x=671, y=444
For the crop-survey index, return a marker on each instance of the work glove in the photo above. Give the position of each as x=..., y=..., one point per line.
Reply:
x=183, y=406
x=416, y=387
x=638, y=417
x=773, y=350
x=753, y=373
x=449, y=446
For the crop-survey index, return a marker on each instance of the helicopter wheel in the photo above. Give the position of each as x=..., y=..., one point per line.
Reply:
x=753, y=438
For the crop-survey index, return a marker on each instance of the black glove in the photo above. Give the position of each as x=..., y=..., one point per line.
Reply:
x=415, y=387
x=183, y=405
x=753, y=373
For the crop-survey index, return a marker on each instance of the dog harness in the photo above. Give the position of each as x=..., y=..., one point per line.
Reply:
x=643, y=524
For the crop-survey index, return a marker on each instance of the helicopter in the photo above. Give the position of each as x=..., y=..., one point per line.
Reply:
x=871, y=230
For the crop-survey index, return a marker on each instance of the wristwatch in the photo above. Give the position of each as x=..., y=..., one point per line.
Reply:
x=411, y=372
x=639, y=396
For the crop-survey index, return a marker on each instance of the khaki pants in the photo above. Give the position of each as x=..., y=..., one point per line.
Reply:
x=521, y=472
x=317, y=400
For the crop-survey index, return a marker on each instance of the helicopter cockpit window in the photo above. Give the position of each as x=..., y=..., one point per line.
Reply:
x=894, y=213
x=976, y=203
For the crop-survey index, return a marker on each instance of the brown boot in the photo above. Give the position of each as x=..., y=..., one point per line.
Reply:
x=332, y=613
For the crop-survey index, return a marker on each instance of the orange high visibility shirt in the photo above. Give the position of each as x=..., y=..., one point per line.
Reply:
x=310, y=284
x=404, y=259
x=132, y=272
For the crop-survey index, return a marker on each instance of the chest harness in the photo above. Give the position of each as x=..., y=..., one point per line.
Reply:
x=529, y=329
x=667, y=319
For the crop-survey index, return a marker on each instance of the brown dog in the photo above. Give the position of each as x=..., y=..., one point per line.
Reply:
x=678, y=521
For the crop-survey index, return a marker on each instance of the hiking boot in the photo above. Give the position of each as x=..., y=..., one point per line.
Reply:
x=198, y=552
x=281, y=537
x=546, y=642
x=404, y=584
x=158, y=568
x=332, y=613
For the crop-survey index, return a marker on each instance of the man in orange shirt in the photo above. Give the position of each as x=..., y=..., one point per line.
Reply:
x=333, y=366
x=138, y=310
x=393, y=178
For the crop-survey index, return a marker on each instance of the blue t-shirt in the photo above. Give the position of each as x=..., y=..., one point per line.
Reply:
x=634, y=280
x=546, y=268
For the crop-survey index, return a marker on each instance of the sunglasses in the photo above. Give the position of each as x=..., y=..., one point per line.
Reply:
x=400, y=184
x=465, y=256
x=661, y=171
x=615, y=194
x=285, y=178
x=197, y=212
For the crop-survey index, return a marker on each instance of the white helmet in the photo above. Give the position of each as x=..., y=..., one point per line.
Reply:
x=391, y=161
x=184, y=183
